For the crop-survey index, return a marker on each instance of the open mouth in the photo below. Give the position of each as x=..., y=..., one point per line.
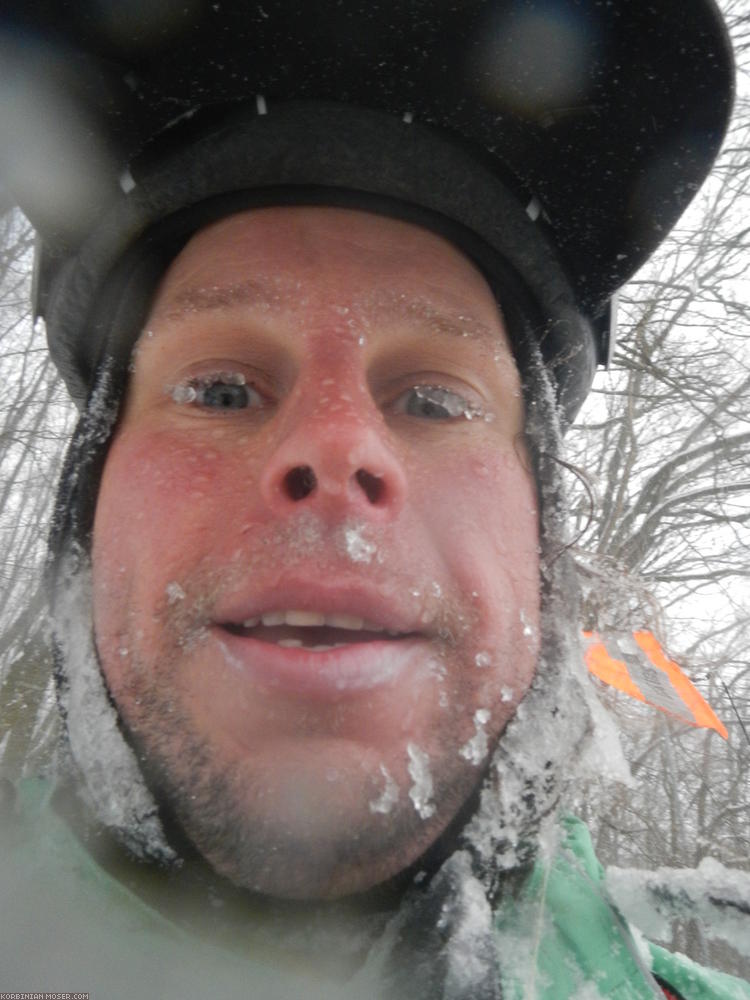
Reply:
x=323, y=655
x=311, y=630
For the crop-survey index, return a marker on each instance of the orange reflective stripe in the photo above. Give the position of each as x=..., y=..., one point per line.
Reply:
x=699, y=707
x=608, y=669
x=669, y=690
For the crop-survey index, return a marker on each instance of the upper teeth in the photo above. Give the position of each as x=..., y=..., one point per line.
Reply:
x=312, y=618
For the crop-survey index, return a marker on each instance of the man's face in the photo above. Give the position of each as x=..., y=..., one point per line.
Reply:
x=315, y=549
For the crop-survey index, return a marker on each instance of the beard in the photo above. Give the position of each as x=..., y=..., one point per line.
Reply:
x=334, y=801
x=306, y=830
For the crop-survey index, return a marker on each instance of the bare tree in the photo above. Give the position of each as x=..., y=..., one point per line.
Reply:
x=666, y=439
x=34, y=426
x=665, y=445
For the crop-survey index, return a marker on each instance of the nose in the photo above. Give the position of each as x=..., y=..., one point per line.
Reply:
x=337, y=462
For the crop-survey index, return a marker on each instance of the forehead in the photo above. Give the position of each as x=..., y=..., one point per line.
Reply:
x=307, y=257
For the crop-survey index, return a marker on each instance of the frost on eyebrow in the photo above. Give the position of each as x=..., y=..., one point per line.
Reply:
x=422, y=311
x=379, y=304
x=259, y=293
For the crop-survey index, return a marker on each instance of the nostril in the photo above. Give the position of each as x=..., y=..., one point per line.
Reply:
x=300, y=482
x=372, y=486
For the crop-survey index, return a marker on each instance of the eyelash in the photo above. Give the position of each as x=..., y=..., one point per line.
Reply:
x=439, y=397
x=441, y=404
x=194, y=390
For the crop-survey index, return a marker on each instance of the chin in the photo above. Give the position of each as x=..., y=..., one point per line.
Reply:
x=306, y=830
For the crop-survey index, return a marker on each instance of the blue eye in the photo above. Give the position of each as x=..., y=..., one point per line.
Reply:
x=433, y=402
x=224, y=391
x=223, y=396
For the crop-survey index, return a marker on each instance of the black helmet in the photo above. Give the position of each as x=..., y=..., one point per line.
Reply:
x=556, y=142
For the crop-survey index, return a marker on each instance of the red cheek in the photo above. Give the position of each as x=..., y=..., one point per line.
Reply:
x=487, y=481
x=482, y=507
x=163, y=485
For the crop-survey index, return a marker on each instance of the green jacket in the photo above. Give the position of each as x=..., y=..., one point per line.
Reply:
x=74, y=922
x=570, y=941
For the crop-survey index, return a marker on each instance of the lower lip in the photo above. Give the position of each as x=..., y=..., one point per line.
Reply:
x=332, y=674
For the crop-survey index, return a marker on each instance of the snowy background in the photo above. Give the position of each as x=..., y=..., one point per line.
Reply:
x=661, y=522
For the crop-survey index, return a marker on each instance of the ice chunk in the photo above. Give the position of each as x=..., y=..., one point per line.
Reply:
x=174, y=592
x=357, y=546
x=184, y=394
x=449, y=401
x=388, y=797
x=477, y=748
x=528, y=629
x=421, y=791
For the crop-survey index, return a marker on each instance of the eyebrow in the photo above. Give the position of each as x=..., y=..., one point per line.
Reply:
x=424, y=312
x=379, y=305
x=250, y=292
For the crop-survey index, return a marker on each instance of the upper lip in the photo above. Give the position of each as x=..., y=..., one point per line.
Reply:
x=352, y=600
